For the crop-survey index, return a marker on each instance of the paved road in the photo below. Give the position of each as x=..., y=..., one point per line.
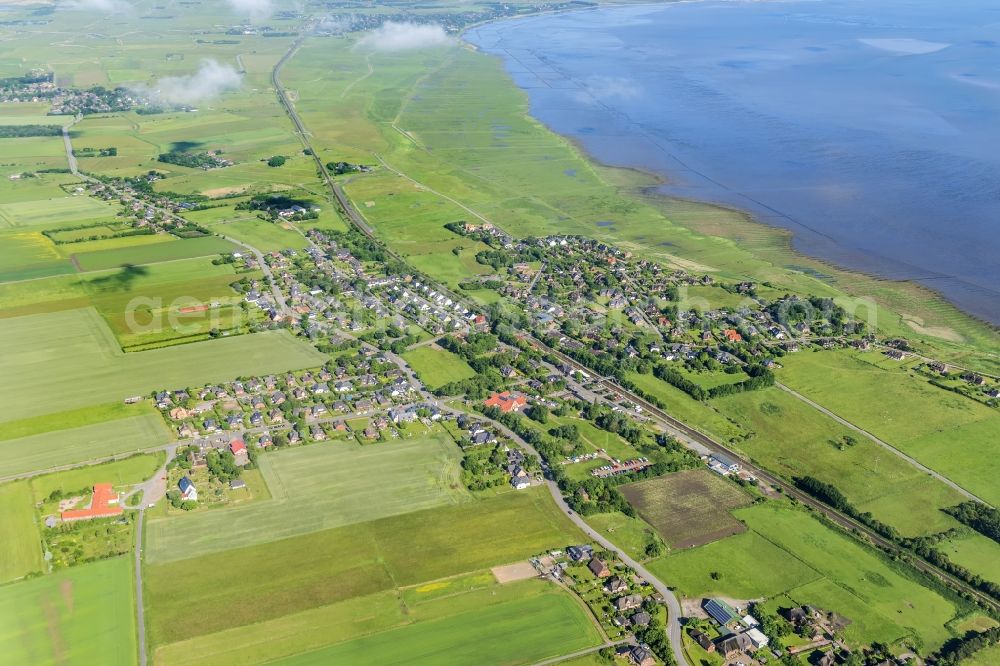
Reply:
x=886, y=445
x=139, y=608
x=279, y=298
x=673, y=605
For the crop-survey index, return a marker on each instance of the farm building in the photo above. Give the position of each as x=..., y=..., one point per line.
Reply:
x=188, y=491
x=104, y=504
x=757, y=637
x=721, y=612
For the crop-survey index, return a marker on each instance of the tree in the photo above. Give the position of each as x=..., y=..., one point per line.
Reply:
x=277, y=161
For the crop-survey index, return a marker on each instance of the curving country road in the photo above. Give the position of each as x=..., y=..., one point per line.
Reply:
x=673, y=604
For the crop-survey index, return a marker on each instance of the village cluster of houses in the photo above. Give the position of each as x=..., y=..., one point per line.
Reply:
x=318, y=396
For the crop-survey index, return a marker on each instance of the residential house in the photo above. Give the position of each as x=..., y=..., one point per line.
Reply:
x=641, y=655
x=615, y=585
x=628, y=602
x=188, y=491
x=733, y=644
x=599, y=567
x=578, y=553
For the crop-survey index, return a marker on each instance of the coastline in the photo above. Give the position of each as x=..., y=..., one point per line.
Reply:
x=919, y=309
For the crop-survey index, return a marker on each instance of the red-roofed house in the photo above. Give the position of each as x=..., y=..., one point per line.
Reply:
x=732, y=335
x=507, y=402
x=238, y=447
x=104, y=504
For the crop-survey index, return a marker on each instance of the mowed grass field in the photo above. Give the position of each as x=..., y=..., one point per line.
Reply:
x=519, y=631
x=87, y=442
x=62, y=211
x=949, y=433
x=120, y=473
x=793, y=439
x=66, y=360
x=462, y=625
x=20, y=547
x=270, y=580
x=437, y=367
x=81, y=615
x=150, y=253
x=320, y=487
x=688, y=508
x=788, y=552
x=27, y=255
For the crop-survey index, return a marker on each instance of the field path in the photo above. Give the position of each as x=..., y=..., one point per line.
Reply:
x=140, y=611
x=885, y=445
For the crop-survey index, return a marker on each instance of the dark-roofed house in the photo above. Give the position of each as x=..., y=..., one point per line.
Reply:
x=734, y=643
x=703, y=640
x=615, y=585
x=640, y=655
x=598, y=567
x=582, y=552
x=640, y=619
x=628, y=602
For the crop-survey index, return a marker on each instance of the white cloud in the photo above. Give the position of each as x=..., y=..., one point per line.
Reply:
x=210, y=81
x=106, y=6
x=257, y=10
x=597, y=89
x=392, y=37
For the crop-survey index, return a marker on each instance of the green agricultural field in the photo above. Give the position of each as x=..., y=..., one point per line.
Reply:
x=701, y=415
x=75, y=418
x=747, y=566
x=988, y=657
x=688, y=508
x=120, y=473
x=78, y=445
x=542, y=626
x=27, y=255
x=975, y=552
x=630, y=534
x=794, y=439
x=50, y=358
x=145, y=304
x=62, y=212
x=265, y=236
x=437, y=367
x=20, y=547
x=336, y=626
x=338, y=564
x=788, y=551
x=150, y=253
x=953, y=435
x=320, y=487
x=81, y=615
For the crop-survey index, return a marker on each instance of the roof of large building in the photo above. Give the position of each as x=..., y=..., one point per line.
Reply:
x=506, y=401
x=104, y=504
x=720, y=611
